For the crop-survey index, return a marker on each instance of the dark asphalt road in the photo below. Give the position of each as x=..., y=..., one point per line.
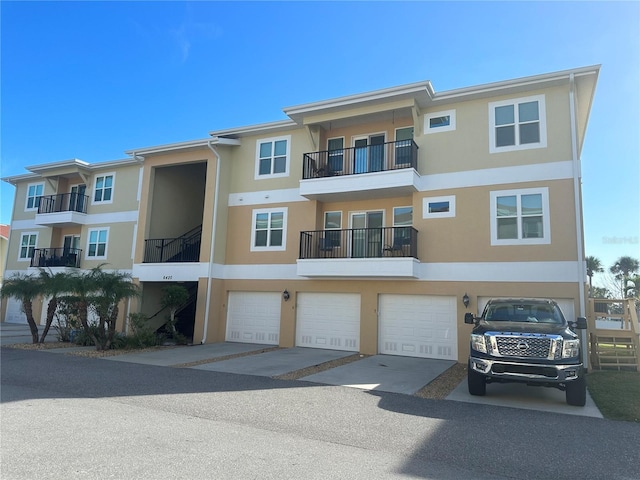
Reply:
x=72, y=417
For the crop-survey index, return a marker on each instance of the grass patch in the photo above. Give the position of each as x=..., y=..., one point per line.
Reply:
x=617, y=394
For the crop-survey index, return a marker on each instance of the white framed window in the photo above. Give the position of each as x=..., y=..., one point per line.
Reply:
x=437, y=122
x=520, y=217
x=517, y=124
x=272, y=157
x=332, y=221
x=335, y=154
x=269, y=230
x=34, y=192
x=439, y=207
x=103, y=190
x=28, y=242
x=98, y=239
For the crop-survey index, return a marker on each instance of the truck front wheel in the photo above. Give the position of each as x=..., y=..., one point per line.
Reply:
x=476, y=382
x=576, y=392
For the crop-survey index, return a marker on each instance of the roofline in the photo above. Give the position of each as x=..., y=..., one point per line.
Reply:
x=170, y=147
x=254, y=129
x=15, y=179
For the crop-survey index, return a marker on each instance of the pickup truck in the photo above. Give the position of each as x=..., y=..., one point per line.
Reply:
x=526, y=341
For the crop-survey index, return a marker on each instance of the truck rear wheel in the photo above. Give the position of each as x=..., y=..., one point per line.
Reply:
x=476, y=382
x=576, y=392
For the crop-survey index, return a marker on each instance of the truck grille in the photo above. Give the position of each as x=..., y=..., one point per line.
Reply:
x=518, y=346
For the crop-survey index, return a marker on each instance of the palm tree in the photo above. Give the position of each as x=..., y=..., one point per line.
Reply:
x=24, y=288
x=623, y=269
x=53, y=284
x=593, y=266
x=111, y=289
x=81, y=288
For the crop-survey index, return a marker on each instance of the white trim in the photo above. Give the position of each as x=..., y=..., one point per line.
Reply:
x=95, y=185
x=279, y=248
x=26, y=200
x=89, y=219
x=134, y=240
x=139, y=192
x=170, y=272
x=273, y=140
x=28, y=257
x=265, y=197
x=546, y=223
x=393, y=216
x=542, y=119
x=447, y=198
x=106, y=244
x=428, y=129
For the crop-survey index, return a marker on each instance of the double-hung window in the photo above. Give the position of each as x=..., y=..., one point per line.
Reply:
x=272, y=157
x=34, y=192
x=97, y=245
x=335, y=154
x=402, y=222
x=517, y=124
x=332, y=227
x=520, y=217
x=268, y=231
x=28, y=242
x=103, y=192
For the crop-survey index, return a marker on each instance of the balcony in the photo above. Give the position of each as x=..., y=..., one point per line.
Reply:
x=359, y=252
x=383, y=170
x=185, y=248
x=56, y=257
x=62, y=210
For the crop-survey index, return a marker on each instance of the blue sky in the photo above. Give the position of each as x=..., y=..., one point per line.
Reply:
x=90, y=80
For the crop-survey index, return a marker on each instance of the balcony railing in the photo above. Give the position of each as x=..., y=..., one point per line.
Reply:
x=360, y=243
x=185, y=248
x=63, y=202
x=56, y=257
x=355, y=160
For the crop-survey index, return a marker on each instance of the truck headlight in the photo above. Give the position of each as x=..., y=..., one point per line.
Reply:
x=478, y=343
x=570, y=348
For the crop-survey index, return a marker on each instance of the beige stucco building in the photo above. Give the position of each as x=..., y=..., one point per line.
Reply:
x=369, y=223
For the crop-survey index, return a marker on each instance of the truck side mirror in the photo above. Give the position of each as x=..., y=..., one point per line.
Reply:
x=468, y=318
x=581, y=323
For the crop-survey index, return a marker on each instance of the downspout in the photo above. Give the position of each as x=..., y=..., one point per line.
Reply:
x=582, y=274
x=213, y=242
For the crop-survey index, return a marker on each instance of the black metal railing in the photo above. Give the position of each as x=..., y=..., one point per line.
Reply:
x=360, y=243
x=185, y=248
x=355, y=160
x=63, y=202
x=56, y=257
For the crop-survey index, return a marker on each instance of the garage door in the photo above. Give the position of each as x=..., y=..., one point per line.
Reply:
x=14, y=313
x=254, y=317
x=418, y=326
x=328, y=320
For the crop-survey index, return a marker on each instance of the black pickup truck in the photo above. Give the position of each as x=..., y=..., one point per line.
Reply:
x=527, y=341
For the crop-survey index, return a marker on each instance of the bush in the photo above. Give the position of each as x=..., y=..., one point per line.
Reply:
x=142, y=335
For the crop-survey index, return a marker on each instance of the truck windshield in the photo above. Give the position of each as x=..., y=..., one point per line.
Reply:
x=523, y=312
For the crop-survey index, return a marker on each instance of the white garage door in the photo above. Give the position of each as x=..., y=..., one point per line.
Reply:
x=254, y=317
x=328, y=320
x=418, y=326
x=14, y=313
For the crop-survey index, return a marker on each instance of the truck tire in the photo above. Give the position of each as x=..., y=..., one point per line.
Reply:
x=476, y=382
x=576, y=392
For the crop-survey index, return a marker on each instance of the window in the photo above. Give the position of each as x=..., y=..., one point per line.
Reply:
x=272, y=157
x=437, y=122
x=335, y=147
x=28, y=242
x=520, y=217
x=439, y=207
x=104, y=189
x=97, y=247
x=333, y=221
x=34, y=192
x=517, y=124
x=404, y=146
x=268, y=231
x=402, y=222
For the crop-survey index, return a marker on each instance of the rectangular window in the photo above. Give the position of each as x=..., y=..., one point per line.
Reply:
x=439, y=207
x=520, y=217
x=404, y=146
x=332, y=221
x=28, y=242
x=104, y=189
x=517, y=124
x=437, y=122
x=272, y=157
x=34, y=192
x=97, y=245
x=402, y=222
x=335, y=147
x=269, y=230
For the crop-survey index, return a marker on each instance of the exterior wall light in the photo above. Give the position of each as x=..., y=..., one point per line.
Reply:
x=465, y=300
x=285, y=295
